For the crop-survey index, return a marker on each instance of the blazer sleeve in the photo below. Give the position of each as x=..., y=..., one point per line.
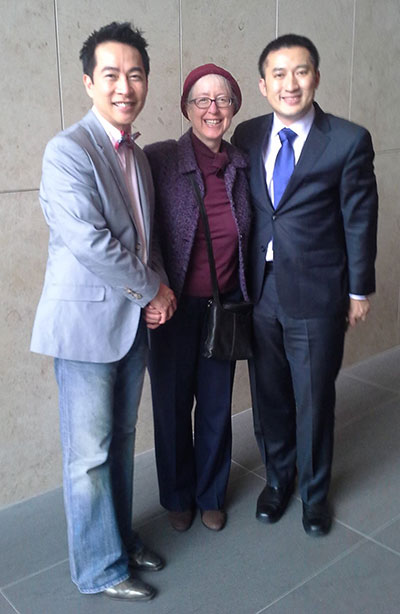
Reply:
x=359, y=205
x=76, y=208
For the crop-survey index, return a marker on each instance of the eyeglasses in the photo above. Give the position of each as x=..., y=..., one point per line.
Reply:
x=204, y=102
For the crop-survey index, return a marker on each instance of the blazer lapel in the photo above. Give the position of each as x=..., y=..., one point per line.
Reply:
x=257, y=160
x=105, y=151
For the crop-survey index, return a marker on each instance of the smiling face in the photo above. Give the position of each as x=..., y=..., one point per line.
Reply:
x=209, y=125
x=119, y=85
x=289, y=82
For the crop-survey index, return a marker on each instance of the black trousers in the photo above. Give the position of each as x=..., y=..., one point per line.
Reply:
x=193, y=460
x=292, y=374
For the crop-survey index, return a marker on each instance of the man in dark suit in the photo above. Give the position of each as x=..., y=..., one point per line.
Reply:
x=103, y=269
x=312, y=268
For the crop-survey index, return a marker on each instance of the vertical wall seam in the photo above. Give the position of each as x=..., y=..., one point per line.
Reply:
x=58, y=62
x=352, y=58
x=276, y=18
x=181, y=58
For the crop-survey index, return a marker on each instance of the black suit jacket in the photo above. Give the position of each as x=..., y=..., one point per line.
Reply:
x=324, y=228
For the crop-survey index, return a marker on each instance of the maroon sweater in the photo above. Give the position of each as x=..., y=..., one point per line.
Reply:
x=222, y=228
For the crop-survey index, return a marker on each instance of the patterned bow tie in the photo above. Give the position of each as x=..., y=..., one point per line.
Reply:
x=126, y=139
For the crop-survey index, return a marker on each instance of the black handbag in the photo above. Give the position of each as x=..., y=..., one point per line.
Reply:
x=228, y=325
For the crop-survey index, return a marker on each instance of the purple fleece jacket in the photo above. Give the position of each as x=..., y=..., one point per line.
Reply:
x=177, y=211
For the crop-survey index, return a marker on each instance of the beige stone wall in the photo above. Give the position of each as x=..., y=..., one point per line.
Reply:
x=42, y=93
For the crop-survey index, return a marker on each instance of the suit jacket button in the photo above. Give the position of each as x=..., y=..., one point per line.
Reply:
x=274, y=217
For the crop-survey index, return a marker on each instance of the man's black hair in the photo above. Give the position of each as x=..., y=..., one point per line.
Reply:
x=289, y=40
x=118, y=32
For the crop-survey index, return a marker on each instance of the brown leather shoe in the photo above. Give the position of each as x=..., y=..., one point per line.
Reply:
x=181, y=521
x=213, y=519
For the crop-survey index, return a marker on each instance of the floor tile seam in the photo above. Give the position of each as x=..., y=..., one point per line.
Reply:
x=33, y=574
x=239, y=413
x=371, y=383
x=392, y=350
x=369, y=536
x=386, y=525
x=232, y=480
x=246, y=469
x=144, y=523
x=372, y=537
x=384, y=546
x=353, y=421
x=9, y=602
x=257, y=475
x=327, y=566
x=7, y=507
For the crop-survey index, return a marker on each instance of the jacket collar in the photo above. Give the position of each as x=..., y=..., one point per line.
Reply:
x=187, y=161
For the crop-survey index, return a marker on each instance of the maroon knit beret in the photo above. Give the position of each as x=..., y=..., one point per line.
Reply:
x=209, y=69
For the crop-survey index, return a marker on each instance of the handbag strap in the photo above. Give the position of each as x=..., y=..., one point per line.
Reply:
x=210, y=252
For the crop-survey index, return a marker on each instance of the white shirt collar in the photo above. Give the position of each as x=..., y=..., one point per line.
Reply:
x=301, y=127
x=113, y=133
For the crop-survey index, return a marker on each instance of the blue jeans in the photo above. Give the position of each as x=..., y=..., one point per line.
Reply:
x=98, y=413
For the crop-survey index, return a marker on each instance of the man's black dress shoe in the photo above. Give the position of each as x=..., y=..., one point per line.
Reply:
x=131, y=589
x=272, y=503
x=317, y=519
x=145, y=560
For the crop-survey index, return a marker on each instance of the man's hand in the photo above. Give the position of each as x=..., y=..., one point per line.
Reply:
x=358, y=310
x=161, y=308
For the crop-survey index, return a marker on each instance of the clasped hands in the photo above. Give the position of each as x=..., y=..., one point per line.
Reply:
x=161, y=308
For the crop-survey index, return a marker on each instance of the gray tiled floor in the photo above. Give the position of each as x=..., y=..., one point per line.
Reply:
x=249, y=567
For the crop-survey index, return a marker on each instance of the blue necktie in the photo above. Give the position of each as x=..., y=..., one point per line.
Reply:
x=284, y=164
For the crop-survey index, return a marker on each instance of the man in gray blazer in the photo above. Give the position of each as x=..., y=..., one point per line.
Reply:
x=103, y=268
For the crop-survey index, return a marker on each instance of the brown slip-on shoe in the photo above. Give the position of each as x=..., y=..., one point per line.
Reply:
x=181, y=521
x=214, y=520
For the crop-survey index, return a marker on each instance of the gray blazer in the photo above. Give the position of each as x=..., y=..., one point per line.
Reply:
x=95, y=284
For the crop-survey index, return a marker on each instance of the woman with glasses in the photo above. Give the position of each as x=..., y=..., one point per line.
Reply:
x=193, y=463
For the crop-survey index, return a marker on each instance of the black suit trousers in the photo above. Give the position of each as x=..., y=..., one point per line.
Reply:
x=292, y=376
